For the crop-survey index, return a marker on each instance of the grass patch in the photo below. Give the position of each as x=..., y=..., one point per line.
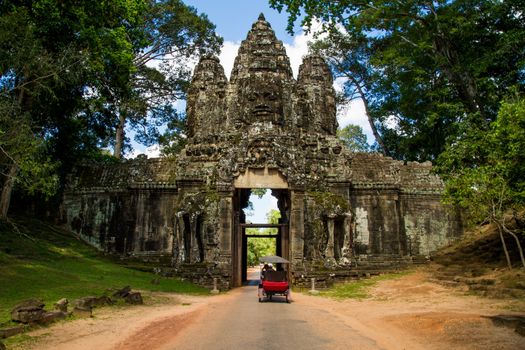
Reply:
x=38, y=260
x=359, y=289
x=23, y=340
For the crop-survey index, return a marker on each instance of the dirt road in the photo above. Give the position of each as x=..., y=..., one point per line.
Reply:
x=406, y=313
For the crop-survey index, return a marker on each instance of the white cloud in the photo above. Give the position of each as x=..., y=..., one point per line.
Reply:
x=151, y=151
x=353, y=113
x=297, y=50
x=227, y=56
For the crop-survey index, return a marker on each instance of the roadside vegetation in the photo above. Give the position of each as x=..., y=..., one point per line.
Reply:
x=359, y=289
x=38, y=260
x=440, y=81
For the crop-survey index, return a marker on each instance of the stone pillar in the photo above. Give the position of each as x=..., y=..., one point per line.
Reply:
x=346, y=251
x=226, y=227
x=194, y=246
x=329, y=252
x=297, y=227
x=178, y=240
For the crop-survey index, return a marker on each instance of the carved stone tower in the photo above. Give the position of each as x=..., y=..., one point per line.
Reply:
x=340, y=211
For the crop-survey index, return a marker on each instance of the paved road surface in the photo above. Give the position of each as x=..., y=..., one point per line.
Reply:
x=244, y=323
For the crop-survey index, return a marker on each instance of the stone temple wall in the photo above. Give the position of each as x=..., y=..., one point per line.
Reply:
x=124, y=208
x=341, y=211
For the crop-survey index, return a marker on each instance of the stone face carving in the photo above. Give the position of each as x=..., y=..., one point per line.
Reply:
x=317, y=95
x=338, y=208
x=206, y=98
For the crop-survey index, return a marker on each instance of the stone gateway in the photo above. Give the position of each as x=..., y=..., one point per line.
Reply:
x=262, y=129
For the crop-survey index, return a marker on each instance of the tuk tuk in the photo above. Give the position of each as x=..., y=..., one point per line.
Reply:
x=273, y=281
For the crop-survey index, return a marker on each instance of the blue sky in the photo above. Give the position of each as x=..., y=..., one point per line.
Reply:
x=234, y=18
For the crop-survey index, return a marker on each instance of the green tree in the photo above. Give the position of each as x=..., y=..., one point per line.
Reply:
x=259, y=192
x=259, y=247
x=68, y=70
x=349, y=58
x=484, y=171
x=170, y=35
x=354, y=138
x=27, y=73
x=424, y=67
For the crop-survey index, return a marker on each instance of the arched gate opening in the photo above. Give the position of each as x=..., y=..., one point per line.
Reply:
x=265, y=178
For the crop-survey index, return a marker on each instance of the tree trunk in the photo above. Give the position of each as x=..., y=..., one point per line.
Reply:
x=378, y=137
x=509, y=264
x=461, y=79
x=5, y=198
x=119, y=137
x=517, y=243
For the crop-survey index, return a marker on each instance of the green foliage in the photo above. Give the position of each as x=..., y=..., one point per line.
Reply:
x=259, y=192
x=258, y=247
x=354, y=138
x=41, y=261
x=423, y=69
x=484, y=169
x=72, y=73
x=19, y=148
x=273, y=216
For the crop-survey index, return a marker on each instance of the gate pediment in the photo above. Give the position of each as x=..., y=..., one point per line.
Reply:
x=261, y=178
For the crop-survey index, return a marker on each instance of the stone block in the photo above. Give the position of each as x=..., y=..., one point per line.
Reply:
x=134, y=298
x=520, y=329
x=11, y=331
x=28, y=311
x=92, y=301
x=61, y=305
x=123, y=292
x=52, y=316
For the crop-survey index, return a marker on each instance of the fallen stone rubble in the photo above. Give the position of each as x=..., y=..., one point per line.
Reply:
x=31, y=312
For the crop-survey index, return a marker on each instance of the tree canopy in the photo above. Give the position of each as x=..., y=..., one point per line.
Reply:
x=72, y=74
x=354, y=138
x=422, y=68
x=440, y=80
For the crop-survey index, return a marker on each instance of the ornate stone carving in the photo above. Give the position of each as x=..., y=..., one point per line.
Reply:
x=261, y=128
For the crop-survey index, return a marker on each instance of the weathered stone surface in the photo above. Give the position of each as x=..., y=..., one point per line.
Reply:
x=511, y=321
x=61, y=305
x=11, y=331
x=134, y=298
x=28, y=311
x=123, y=292
x=262, y=128
x=92, y=301
x=52, y=316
